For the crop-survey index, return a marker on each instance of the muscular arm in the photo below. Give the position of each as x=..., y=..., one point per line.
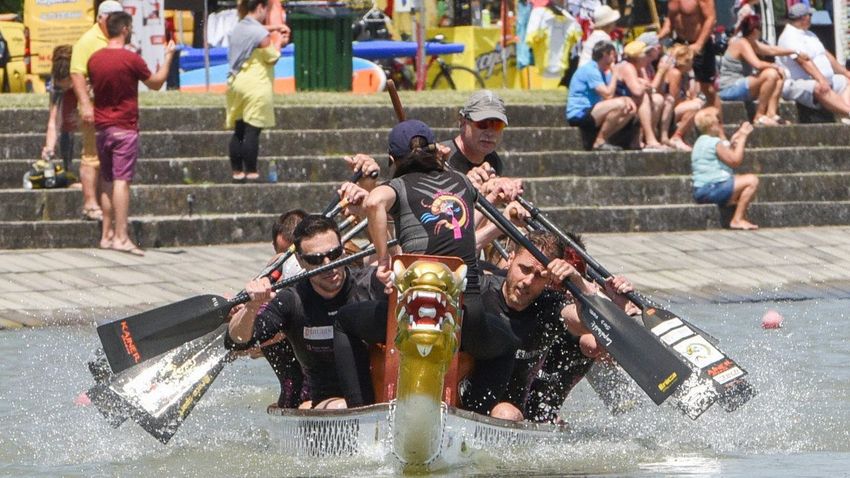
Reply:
x=379, y=201
x=81, y=89
x=241, y=326
x=155, y=81
x=709, y=19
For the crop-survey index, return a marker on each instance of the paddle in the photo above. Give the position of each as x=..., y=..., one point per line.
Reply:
x=653, y=367
x=141, y=337
x=336, y=205
x=716, y=375
x=160, y=394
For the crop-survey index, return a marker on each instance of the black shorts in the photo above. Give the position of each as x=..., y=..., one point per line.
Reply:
x=584, y=122
x=705, y=63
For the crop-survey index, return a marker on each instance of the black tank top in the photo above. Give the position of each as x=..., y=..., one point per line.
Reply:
x=434, y=214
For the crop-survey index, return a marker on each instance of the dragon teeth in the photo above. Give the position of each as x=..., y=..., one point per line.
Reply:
x=424, y=350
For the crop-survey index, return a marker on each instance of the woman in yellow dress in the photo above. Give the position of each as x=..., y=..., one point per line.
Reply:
x=252, y=55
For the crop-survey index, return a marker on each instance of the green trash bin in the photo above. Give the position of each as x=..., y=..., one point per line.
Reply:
x=322, y=37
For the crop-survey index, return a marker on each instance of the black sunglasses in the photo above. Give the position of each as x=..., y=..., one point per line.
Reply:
x=319, y=258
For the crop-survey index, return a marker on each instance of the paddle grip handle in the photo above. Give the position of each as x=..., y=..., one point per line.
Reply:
x=538, y=217
x=330, y=210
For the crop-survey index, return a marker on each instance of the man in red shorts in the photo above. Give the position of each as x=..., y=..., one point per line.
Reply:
x=115, y=73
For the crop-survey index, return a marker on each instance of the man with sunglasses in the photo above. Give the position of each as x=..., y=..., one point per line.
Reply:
x=473, y=150
x=305, y=312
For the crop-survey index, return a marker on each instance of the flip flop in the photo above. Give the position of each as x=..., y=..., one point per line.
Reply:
x=92, y=214
x=133, y=250
x=744, y=228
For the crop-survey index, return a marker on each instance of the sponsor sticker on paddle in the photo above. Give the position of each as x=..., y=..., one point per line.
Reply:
x=698, y=351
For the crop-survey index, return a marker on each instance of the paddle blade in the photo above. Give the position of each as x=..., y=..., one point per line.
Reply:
x=160, y=394
x=140, y=337
x=656, y=369
x=716, y=376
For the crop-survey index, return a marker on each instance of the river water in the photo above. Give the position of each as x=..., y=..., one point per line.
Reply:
x=798, y=425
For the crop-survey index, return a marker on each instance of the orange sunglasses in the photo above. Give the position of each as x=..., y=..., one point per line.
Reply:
x=489, y=123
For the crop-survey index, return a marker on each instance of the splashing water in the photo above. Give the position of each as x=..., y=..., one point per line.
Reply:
x=797, y=425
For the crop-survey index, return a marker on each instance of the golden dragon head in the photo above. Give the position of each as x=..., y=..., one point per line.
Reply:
x=429, y=293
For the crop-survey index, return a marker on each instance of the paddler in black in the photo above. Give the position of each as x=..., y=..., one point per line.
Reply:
x=305, y=312
x=433, y=211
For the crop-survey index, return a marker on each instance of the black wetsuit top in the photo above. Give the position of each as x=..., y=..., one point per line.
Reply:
x=462, y=164
x=307, y=320
x=537, y=327
x=434, y=213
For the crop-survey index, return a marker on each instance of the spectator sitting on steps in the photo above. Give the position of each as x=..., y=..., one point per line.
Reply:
x=713, y=160
x=822, y=81
x=591, y=103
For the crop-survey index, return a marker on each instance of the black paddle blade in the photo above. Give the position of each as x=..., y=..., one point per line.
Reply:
x=656, y=369
x=140, y=337
x=716, y=376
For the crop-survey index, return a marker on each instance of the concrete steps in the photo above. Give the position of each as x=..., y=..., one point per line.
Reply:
x=804, y=169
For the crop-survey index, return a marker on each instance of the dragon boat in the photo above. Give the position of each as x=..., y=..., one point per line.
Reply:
x=416, y=378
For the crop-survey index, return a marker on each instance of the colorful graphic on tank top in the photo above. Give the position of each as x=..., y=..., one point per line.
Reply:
x=449, y=211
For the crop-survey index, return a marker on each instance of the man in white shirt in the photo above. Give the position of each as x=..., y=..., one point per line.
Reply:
x=819, y=80
x=604, y=22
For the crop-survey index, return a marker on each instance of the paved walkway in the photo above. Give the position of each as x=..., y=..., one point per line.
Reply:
x=61, y=286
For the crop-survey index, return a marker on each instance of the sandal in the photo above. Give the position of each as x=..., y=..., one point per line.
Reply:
x=679, y=144
x=92, y=214
x=128, y=248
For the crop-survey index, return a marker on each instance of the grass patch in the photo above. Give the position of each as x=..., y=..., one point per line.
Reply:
x=408, y=98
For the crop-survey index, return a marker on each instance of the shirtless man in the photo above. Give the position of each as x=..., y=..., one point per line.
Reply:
x=692, y=22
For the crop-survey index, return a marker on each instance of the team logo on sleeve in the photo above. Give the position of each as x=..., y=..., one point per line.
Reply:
x=447, y=211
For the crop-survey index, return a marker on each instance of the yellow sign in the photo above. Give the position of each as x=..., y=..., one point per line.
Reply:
x=53, y=23
x=482, y=53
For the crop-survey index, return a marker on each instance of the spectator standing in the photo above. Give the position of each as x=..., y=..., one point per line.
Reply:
x=591, y=103
x=633, y=84
x=250, y=93
x=713, y=161
x=691, y=22
x=604, y=22
x=820, y=81
x=745, y=77
x=62, y=116
x=91, y=41
x=682, y=103
x=115, y=73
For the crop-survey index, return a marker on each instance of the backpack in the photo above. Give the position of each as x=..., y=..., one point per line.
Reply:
x=45, y=174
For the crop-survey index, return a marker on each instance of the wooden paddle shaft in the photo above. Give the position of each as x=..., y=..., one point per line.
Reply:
x=399, y=109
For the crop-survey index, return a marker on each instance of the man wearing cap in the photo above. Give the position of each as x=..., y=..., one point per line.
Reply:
x=692, y=22
x=91, y=41
x=473, y=150
x=634, y=84
x=604, y=21
x=821, y=80
x=592, y=104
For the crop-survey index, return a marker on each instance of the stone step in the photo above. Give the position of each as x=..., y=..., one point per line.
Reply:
x=680, y=217
x=163, y=231
x=177, y=144
x=148, y=200
x=519, y=164
x=329, y=117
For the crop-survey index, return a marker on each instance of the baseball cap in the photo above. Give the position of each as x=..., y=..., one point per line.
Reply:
x=650, y=39
x=799, y=10
x=109, y=6
x=402, y=133
x=634, y=49
x=484, y=104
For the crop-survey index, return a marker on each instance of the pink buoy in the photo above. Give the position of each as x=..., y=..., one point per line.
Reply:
x=771, y=320
x=82, y=400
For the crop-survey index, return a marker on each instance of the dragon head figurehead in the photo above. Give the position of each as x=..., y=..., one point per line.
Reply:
x=429, y=295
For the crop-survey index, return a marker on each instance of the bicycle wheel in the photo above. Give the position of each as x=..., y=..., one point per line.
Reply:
x=452, y=76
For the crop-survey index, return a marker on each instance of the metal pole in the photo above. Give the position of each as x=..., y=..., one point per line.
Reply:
x=206, y=47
